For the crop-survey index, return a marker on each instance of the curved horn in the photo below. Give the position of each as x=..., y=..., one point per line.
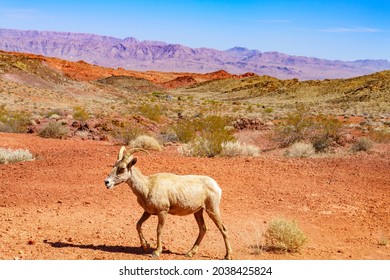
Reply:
x=121, y=152
x=135, y=150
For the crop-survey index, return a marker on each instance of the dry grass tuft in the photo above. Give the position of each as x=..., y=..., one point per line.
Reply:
x=11, y=156
x=300, y=150
x=236, y=149
x=284, y=235
x=362, y=145
x=146, y=142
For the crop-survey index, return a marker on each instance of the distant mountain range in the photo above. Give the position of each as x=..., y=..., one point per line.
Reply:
x=129, y=53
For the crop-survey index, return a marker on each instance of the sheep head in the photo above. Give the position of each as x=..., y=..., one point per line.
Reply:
x=121, y=172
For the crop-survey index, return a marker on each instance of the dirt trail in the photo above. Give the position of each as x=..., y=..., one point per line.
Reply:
x=57, y=207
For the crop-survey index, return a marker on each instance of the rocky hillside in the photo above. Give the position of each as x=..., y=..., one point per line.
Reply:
x=129, y=53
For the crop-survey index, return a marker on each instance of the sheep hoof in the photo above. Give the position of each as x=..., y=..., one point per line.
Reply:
x=155, y=255
x=228, y=257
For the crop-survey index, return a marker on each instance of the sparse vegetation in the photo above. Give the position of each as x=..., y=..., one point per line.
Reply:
x=301, y=126
x=284, y=235
x=300, y=149
x=152, y=112
x=146, y=142
x=210, y=134
x=11, y=156
x=235, y=149
x=362, y=145
x=80, y=113
x=126, y=132
x=12, y=121
x=380, y=135
x=54, y=130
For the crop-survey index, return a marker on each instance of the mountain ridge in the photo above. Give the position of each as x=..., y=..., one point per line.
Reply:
x=130, y=53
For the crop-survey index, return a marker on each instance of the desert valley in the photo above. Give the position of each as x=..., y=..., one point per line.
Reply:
x=302, y=148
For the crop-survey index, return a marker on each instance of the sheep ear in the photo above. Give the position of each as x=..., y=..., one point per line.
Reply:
x=131, y=163
x=121, y=152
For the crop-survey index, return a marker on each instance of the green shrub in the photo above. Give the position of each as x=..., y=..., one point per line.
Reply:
x=300, y=126
x=13, y=122
x=127, y=133
x=11, y=156
x=185, y=131
x=54, y=130
x=152, y=112
x=284, y=235
x=201, y=147
x=80, y=114
x=209, y=135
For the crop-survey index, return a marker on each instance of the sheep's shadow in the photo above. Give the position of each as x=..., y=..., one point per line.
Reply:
x=107, y=248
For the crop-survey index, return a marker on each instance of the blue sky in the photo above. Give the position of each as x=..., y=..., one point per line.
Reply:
x=346, y=30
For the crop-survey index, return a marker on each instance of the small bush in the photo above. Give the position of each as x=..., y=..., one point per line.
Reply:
x=54, y=130
x=380, y=135
x=205, y=136
x=13, y=122
x=284, y=235
x=153, y=113
x=185, y=131
x=362, y=144
x=127, y=133
x=300, y=150
x=80, y=114
x=146, y=142
x=300, y=126
x=200, y=147
x=236, y=149
x=10, y=156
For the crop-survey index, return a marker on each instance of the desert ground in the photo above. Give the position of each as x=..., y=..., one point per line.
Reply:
x=57, y=207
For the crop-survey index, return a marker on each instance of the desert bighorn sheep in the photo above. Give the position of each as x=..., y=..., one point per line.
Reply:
x=165, y=193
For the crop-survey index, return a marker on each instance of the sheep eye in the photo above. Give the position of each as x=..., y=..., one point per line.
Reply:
x=120, y=170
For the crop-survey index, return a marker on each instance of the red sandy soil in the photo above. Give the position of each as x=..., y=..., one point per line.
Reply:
x=57, y=207
x=83, y=71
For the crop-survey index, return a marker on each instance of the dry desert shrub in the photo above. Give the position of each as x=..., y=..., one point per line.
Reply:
x=127, y=133
x=200, y=147
x=54, y=130
x=13, y=122
x=236, y=149
x=362, y=145
x=80, y=113
x=153, y=113
x=146, y=142
x=300, y=125
x=284, y=235
x=204, y=137
x=253, y=238
x=11, y=156
x=380, y=135
x=300, y=150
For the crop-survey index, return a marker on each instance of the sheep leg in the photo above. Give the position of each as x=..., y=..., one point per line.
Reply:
x=216, y=217
x=161, y=220
x=202, y=231
x=145, y=245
